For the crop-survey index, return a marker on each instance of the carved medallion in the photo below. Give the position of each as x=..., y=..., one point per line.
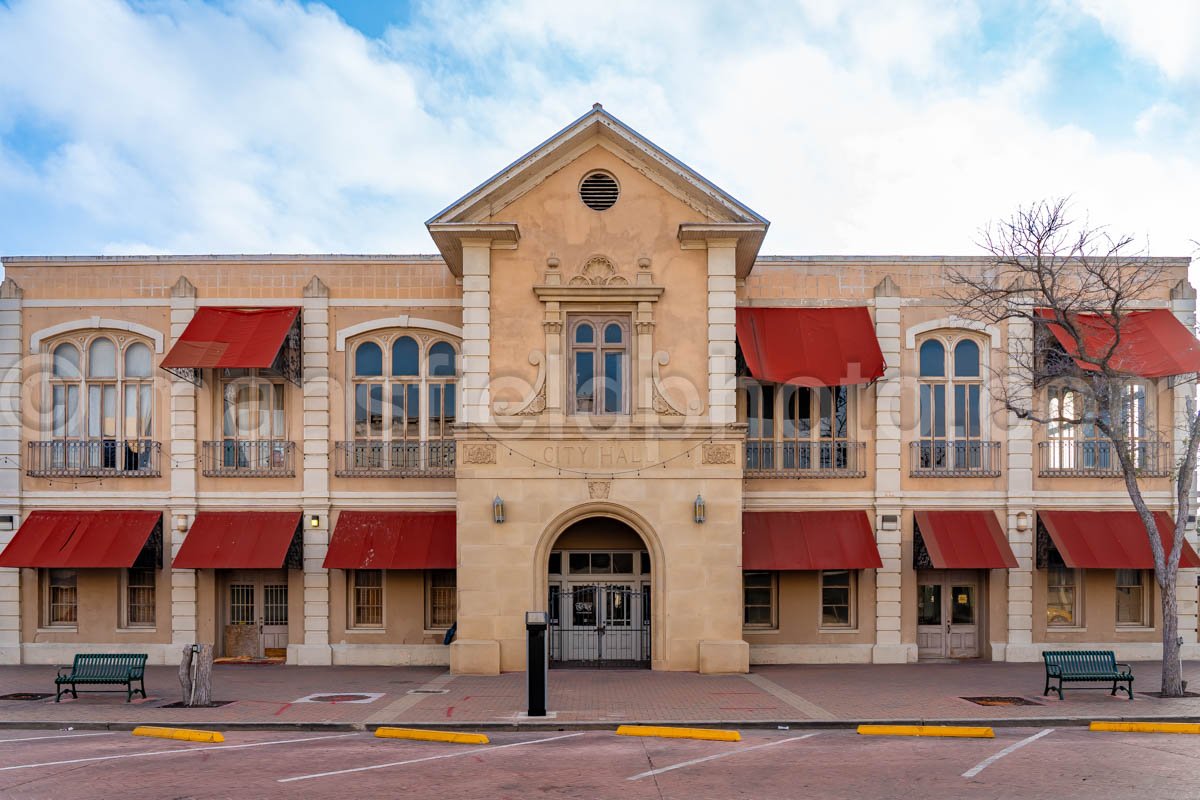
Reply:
x=719, y=454
x=479, y=454
x=598, y=271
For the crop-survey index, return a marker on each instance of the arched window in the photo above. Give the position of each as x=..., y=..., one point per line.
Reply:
x=102, y=406
x=599, y=365
x=1075, y=444
x=404, y=406
x=950, y=398
x=253, y=424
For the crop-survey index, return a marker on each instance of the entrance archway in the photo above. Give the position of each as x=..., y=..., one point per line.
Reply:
x=599, y=582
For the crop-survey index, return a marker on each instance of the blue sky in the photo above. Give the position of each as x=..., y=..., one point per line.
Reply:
x=855, y=127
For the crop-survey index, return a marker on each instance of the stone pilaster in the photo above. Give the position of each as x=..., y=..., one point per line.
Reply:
x=890, y=648
x=184, y=455
x=1019, y=474
x=1183, y=304
x=316, y=388
x=477, y=330
x=10, y=463
x=722, y=331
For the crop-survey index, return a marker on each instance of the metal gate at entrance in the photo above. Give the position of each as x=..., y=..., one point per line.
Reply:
x=599, y=625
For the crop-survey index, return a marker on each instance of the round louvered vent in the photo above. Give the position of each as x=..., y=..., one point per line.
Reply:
x=599, y=191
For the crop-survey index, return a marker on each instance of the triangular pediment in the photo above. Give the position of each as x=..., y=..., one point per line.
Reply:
x=486, y=202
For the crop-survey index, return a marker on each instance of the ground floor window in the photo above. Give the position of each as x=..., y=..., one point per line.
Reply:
x=138, y=608
x=60, y=598
x=366, y=598
x=838, y=598
x=1062, y=598
x=1131, y=598
x=759, y=593
x=441, y=598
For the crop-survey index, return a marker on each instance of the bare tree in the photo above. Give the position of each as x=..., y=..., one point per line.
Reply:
x=1075, y=288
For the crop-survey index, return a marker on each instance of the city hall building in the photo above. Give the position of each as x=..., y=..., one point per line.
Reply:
x=600, y=399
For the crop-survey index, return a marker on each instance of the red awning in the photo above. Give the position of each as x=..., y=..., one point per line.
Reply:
x=231, y=337
x=810, y=346
x=965, y=540
x=781, y=540
x=393, y=540
x=1154, y=344
x=238, y=540
x=73, y=539
x=1110, y=539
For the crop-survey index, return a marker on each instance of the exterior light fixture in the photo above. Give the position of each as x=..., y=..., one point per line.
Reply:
x=314, y=521
x=889, y=522
x=698, y=509
x=1022, y=521
x=498, y=510
x=181, y=522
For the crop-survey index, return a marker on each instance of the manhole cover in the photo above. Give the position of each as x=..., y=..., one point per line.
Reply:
x=341, y=697
x=213, y=704
x=1001, y=701
x=428, y=691
x=25, y=696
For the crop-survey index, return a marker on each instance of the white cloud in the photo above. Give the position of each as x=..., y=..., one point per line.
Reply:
x=1163, y=32
x=270, y=126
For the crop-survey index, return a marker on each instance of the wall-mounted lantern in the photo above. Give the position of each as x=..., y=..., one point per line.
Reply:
x=698, y=509
x=498, y=510
x=1022, y=521
x=314, y=521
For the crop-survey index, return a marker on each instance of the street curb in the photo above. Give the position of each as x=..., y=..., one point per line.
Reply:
x=584, y=725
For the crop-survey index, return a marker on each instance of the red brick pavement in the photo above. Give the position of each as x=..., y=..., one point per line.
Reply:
x=267, y=695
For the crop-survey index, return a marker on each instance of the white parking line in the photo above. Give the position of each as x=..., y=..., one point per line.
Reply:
x=59, y=736
x=1012, y=748
x=471, y=751
x=205, y=749
x=683, y=764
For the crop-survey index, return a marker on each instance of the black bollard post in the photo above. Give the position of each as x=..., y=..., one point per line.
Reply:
x=536, y=662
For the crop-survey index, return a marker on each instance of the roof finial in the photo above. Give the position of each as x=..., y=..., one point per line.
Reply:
x=597, y=107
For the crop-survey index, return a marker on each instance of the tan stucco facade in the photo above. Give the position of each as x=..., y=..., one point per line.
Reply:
x=520, y=261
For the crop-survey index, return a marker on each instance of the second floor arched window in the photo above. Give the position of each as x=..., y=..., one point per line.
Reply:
x=404, y=396
x=950, y=400
x=101, y=402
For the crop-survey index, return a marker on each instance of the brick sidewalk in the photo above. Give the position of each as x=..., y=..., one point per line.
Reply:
x=799, y=694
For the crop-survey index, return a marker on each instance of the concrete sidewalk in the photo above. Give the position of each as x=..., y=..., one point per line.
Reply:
x=272, y=696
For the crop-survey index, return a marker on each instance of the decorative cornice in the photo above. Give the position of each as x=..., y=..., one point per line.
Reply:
x=588, y=292
x=449, y=238
x=747, y=237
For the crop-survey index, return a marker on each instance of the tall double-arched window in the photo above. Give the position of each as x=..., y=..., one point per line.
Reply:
x=102, y=402
x=405, y=402
x=950, y=433
x=599, y=364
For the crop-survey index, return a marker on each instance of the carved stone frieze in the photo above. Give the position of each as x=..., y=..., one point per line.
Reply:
x=598, y=490
x=479, y=454
x=598, y=271
x=719, y=454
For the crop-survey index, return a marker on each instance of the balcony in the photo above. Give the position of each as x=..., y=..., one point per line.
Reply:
x=1091, y=458
x=371, y=459
x=265, y=458
x=947, y=458
x=94, y=458
x=818, y=459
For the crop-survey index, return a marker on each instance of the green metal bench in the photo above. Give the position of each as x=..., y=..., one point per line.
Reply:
x=1086, y=666
x=92, y=669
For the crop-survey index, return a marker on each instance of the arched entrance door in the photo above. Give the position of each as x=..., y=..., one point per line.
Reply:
x=599, y=596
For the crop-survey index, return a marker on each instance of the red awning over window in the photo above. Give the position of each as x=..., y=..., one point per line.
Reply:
x=965, y=540
x=784, y=540
x=393, y=540
x=810, y=346
x=1110, y=539
x=238, y=540
x=75, y=539
x=219, y=338
x=1154, y=344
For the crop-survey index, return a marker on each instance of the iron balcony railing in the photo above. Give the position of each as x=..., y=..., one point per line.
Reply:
x=949, y=458
x=372, y=459
x=1091, y=458
x=246, y=458
x=816, y=459
x=120, y=458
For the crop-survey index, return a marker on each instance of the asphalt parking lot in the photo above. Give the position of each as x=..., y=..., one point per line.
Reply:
x=1018, y=763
